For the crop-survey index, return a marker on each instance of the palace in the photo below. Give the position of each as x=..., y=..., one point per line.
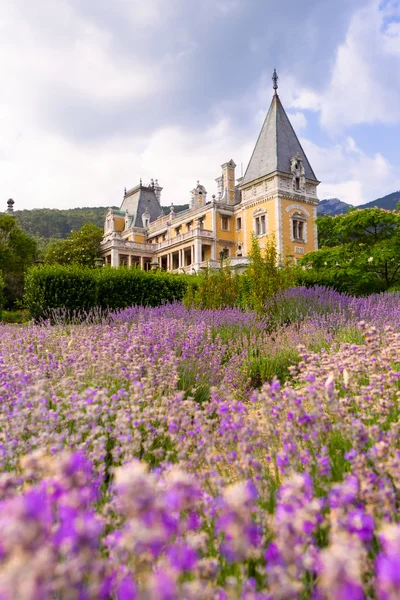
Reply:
x=277, y=195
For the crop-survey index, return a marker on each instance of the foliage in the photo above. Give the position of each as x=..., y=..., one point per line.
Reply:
x=17, y=253
x=81, y=248
x=73, y=288
x=120, y=288
x=81, y=289
x=265, y=277
x=252, y=290
x=15, y=316
x=361, y=253
x=213, y=289
x=327, y=235
x=51, y=223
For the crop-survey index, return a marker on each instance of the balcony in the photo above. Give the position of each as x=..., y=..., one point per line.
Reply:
x=183, y=237
x=119, y=242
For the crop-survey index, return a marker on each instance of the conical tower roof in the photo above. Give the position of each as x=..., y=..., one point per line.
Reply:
x=277, y=144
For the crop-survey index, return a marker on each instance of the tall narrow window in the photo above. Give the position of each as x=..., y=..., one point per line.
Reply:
x=298, y=227
x=225, y=223
x=238, y=223
x=260, y=225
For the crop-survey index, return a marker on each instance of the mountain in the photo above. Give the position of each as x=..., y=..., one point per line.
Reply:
x=332, y=207
x=388, y=202
x=53, y=223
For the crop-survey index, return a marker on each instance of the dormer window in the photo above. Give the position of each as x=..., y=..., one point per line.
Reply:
x=298, y=173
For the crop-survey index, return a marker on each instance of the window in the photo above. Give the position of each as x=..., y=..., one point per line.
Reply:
x=298, y=227
x=177, y=230
x=260, y=225
x=297, y=184
x=238, y=223
x=164, y=237
x=189, y=226
x=225, y=223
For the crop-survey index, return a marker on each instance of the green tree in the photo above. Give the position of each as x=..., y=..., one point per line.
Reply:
x=80, y=248
x=327, y=235
x=17, y=253
x=265, y=277
x=367, y=257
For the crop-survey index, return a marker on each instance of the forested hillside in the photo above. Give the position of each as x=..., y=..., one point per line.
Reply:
x=50, y=223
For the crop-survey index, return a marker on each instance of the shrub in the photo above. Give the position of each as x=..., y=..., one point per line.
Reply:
x=15, y=317
x=120, y=288
x=213, y=289
x=80, y=289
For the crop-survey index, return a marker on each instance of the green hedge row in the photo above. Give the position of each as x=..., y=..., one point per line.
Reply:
x=81, y=289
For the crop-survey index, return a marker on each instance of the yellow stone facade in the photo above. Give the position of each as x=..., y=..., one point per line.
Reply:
x=277, y=196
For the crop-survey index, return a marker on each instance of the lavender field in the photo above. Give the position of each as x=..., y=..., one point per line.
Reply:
x=153, y=454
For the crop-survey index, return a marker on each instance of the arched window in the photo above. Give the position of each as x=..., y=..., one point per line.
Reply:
x=298, y=227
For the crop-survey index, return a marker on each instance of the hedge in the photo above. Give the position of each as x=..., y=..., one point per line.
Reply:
x=82, y=289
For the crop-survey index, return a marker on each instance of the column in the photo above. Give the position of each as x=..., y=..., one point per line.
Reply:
x=142, y=263
x=214, y=230
x=197, y=253
x=114, y=257
x=180, y=258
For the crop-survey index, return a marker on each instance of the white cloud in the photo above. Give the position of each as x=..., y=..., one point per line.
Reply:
x=298, y=120
x=75, y=55
x=364, y=86
x=346, y=172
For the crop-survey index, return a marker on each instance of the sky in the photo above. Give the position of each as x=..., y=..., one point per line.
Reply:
x=97, y=94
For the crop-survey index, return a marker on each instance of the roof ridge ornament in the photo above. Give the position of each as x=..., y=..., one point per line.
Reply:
x=275, y=80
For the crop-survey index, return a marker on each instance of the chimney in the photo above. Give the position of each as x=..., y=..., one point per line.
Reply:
x=10, y=206
x=228, y=176
x=220, y=186
x=157, y=190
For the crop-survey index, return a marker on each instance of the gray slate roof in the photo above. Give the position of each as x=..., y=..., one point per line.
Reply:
x=137, y=201
x=276, y=145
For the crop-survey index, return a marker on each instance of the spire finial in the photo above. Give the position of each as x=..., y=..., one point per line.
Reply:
x=275, y=80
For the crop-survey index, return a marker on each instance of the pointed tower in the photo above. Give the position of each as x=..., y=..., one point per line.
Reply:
x=279, y=187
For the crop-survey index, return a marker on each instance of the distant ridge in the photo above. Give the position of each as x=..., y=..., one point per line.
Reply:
x=334, y=206
x=50, y=223
x=389, y=202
